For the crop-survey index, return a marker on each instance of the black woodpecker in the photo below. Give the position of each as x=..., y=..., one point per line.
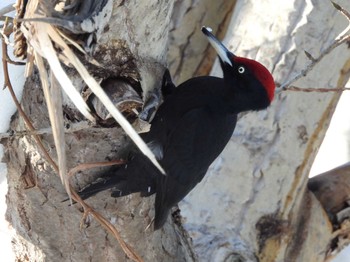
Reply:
x=189, y=130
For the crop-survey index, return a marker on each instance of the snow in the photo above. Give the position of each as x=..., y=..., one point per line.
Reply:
x=337, y=140
x=335, y=147
x=7, y=109
x=343, y=256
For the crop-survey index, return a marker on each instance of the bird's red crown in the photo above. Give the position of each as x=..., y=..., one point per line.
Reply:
x=261, y=73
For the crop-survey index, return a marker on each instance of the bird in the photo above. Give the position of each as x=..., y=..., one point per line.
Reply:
x=189, y=130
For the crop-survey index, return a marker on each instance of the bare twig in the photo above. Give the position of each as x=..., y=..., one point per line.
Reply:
x=314, y=62
x=341, y=10
x=86, y=166
x=74, y=127
x=340, y=39
x=308, y=55
x=320, y=90
x=347, y=16
x=7, y=9
x=88, y=210
x=7, y=29
x=29, y=125
x=10, y=61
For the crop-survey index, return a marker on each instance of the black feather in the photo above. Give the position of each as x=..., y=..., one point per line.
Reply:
x=189, y=130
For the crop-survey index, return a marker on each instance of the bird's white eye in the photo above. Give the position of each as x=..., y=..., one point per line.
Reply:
x=241, y=69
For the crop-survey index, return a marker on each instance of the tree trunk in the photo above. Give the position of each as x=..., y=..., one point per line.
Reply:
x=132, y=49
x=254, y=203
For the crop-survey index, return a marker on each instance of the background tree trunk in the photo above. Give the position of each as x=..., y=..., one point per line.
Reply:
x=254, y=203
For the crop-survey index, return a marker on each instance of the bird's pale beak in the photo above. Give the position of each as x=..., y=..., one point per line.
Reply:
x=224, y=54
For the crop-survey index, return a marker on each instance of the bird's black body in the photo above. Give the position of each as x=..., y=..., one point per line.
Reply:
x=189, y=130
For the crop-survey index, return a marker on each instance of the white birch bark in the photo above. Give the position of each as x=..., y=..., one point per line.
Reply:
x=254, y=203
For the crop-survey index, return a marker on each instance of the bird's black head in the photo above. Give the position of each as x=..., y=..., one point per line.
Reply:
x=251, y=83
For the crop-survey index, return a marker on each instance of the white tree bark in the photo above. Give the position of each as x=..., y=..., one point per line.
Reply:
x=254, y=204
x=189, y=53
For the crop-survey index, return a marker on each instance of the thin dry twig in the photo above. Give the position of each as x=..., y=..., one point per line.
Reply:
x=340, y=39
x=88, y=210
x=7, y=9
x=5, y=32
x=29, y=125
x=10, y=61
x=341, y=10
x=74, y=127
x=319, y=90
x=315, y=61
x=86, y=166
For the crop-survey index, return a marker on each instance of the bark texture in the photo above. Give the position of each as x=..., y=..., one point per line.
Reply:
x=254, y=203
x=132, y=47
x=189, y=53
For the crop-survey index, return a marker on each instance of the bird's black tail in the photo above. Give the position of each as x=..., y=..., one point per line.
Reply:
x=135, y=176
x=162, y=206
x=108, y=181
x=161, y=215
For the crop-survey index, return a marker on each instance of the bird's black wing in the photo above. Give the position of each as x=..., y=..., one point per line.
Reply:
x=190, y=149
x=168, y=87
x=194, y=144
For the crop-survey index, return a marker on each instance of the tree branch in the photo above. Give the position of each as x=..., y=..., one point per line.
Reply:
x=75, y=127
x=130, y=252
x=7, y=9
x=320, y=90
x=340, y=39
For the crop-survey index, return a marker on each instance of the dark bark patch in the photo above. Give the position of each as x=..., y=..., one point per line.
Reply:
x=28, y=178
x=270, y=226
